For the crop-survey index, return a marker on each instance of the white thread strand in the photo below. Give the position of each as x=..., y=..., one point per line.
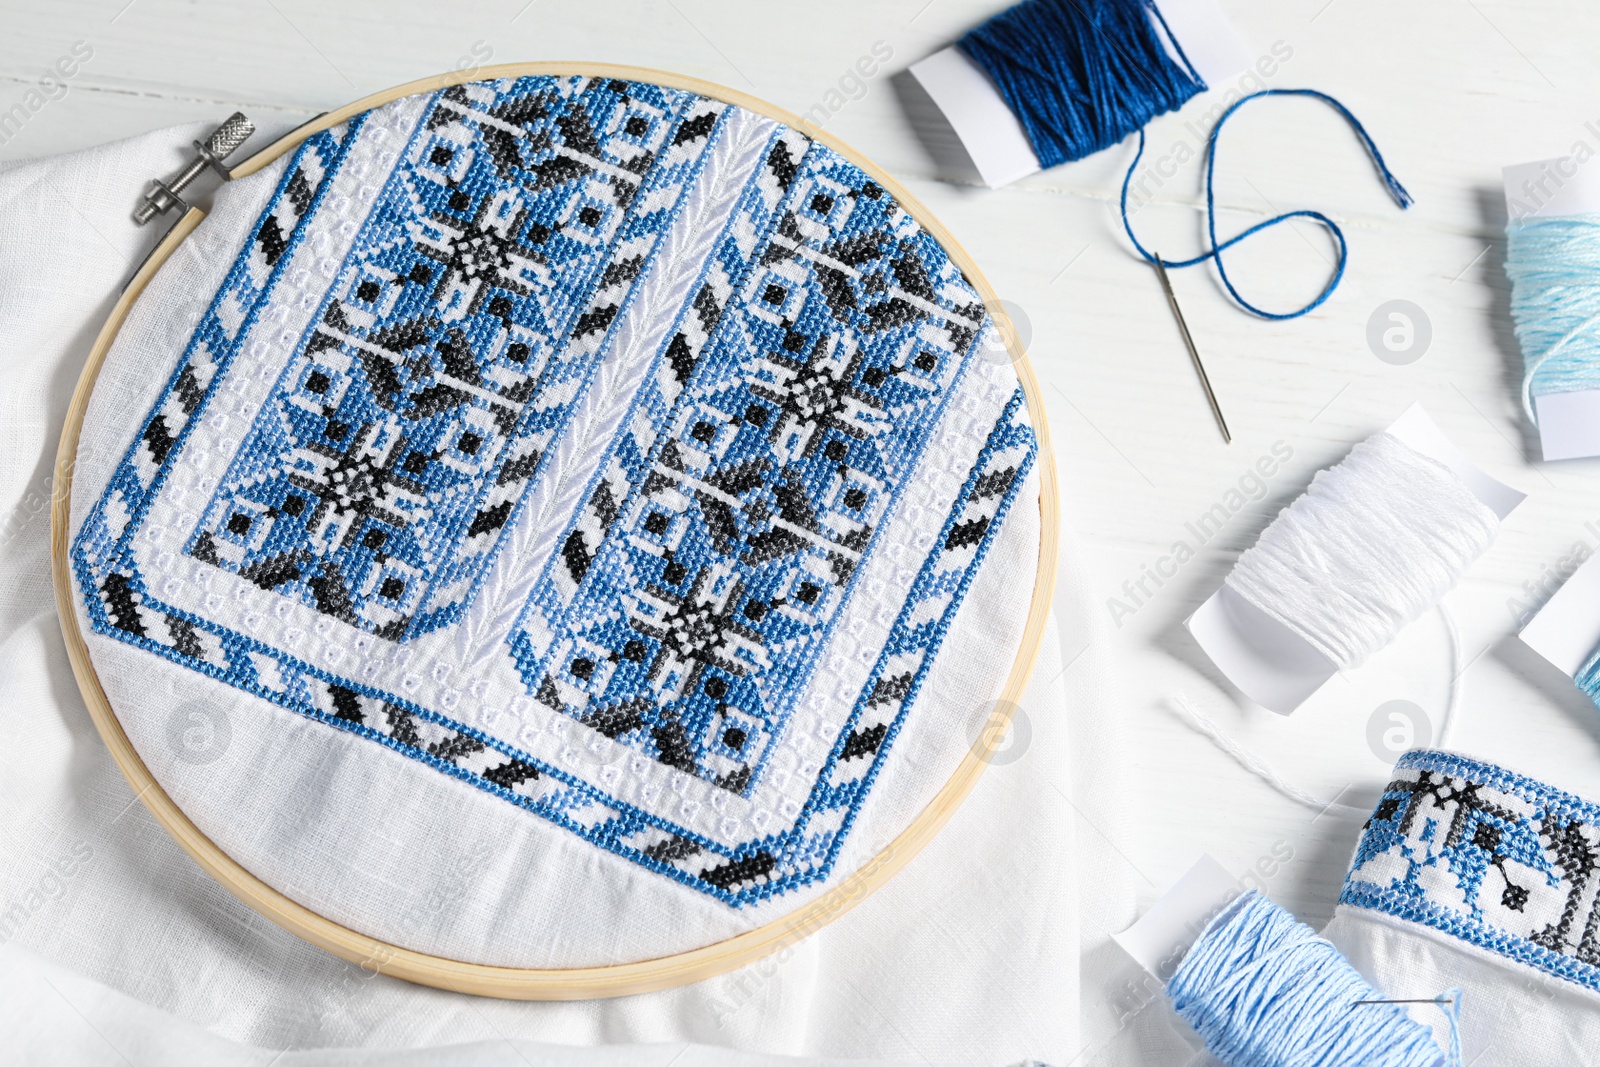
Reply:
x=1457, y=669
x=1372, y=543
x=1252, y=763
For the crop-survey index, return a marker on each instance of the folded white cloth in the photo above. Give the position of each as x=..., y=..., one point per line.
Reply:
x=971, y=954
x=44, y=1008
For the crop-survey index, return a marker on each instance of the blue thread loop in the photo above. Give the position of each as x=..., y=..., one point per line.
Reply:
x=1263, y=990
x=1396, y=190
x=1554, y=267
x=1080, y=75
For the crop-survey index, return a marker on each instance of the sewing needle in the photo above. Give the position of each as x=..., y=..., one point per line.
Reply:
x=1194, y=353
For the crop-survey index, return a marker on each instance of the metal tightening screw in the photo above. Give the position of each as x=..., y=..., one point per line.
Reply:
x=223, y=142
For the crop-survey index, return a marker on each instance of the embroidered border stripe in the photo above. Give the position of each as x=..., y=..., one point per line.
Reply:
x=1493, y=858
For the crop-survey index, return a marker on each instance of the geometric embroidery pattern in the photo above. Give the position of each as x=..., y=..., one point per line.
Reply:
x=404, y=429
x=691, y=595
x=764, y=459
x=1496, y=859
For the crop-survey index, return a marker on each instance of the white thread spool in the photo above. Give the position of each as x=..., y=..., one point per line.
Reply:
x=1368, y=547
x=1373, y=543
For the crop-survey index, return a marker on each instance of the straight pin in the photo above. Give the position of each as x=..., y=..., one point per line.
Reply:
x=1420, y=1000
x=1194, y=353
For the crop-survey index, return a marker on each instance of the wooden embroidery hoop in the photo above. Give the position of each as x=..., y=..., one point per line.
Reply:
x=563, y=983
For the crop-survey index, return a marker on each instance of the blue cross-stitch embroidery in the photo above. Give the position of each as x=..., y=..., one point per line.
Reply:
x=376, y=480
x=687, y=618
x=1496, y=859
x=784, y=414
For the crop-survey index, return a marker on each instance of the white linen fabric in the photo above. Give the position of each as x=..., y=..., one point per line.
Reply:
x=1511, y=1014
x=972, y=954
x=43, y=1008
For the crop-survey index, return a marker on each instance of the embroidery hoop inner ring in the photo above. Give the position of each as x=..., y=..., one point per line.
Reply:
x=554, y=983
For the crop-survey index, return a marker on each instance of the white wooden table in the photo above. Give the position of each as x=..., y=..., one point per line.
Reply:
x=1451, y=89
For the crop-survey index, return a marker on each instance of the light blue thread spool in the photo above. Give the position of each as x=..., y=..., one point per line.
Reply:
x=1588, y=678
x=1263, y=990
x=1554, y=267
